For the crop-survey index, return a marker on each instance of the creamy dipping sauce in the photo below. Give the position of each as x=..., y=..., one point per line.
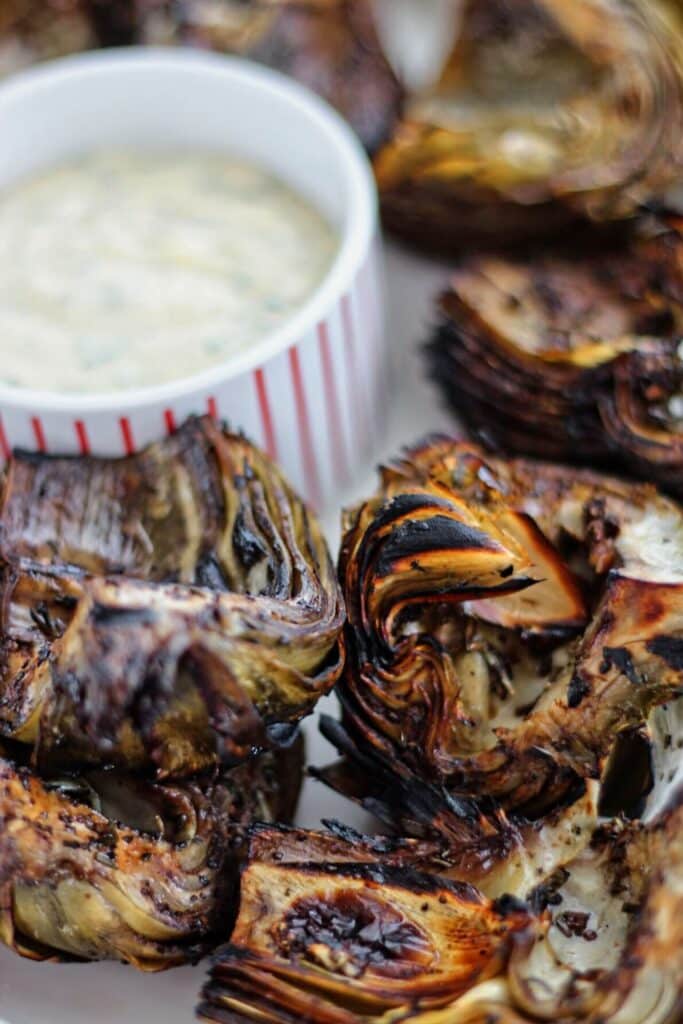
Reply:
x=124, y=268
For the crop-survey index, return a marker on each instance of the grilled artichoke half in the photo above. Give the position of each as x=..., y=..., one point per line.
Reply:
x=323, y=937
x=547, y=112
x=507, y=621
x=329, y=45
x=102, y=865
x=167, y=611
x=573, y=357
x=344, y=930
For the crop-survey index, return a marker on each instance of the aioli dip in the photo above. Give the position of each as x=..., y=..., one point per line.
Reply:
x=127, y=268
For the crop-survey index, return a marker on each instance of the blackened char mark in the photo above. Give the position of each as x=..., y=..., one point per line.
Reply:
x=248, y=546
x=577, y=690
x=575, y=923
x=620, y=658
x=669, y=649
x=209, y=573
x=402, y=505
x=401, y=877
x=370, y=933
x=106, y=615
x=439, y=533
x=508, y=905
x=629, y=776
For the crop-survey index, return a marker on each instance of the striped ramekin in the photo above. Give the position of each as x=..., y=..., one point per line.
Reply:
x=312, y=393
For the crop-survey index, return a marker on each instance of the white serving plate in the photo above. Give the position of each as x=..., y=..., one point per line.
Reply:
x=312, y=392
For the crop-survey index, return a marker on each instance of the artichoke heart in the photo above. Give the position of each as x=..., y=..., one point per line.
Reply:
x=573, y=355
x=172, y=610
x=547, y=113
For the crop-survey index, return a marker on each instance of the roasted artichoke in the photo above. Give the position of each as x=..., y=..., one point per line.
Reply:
x=573, y=356
x=171, y=610
x=547, y=113
x=329, y=45
x=164, y=618
x=345, y=932
x=102, y=865
x=507, y=620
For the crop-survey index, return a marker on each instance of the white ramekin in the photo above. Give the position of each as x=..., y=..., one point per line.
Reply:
x=312, y=392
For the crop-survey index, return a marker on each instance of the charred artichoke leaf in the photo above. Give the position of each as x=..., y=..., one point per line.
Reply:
x=546, y=112
x=344, y=942
x=555, y=599
x=104, y=865
x=520, y=712
x=215, y=620
x=573, y=356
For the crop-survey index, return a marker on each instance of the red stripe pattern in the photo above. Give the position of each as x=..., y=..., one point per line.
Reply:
x=4, y=443
x=169, y=420
x=39, y=433
x=304, y=424
x=355, y=375
x=82, y=437
x=265, y=413
x=127, y=435
x=333, y=410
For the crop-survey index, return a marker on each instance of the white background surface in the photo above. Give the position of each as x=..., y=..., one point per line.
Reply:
x=40, y=993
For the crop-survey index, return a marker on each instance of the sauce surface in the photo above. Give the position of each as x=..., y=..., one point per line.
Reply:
x=124, y=269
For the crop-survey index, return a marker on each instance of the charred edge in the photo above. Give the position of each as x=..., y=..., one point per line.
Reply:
x=439, y=533
x=248, y=547
x=209, y=573
x=375, y=843
x=105, y=615
x=619, y=658
x=509, y=906
x=392, y=797
x=401, y=505
x=669, y=649
x=577, y=690
x=398, y=877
